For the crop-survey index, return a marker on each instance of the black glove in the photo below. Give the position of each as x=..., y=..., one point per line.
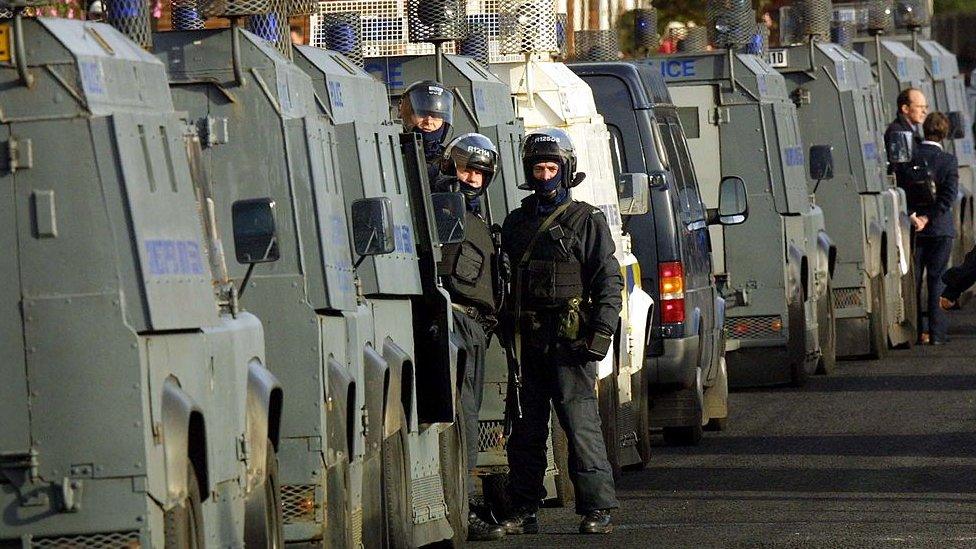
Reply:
x=592, y=348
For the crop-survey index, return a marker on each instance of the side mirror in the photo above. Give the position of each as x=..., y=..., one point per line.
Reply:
x=733, y=205
x=632, y=193
x=956, y=127
x=449, y=217
x=255, y=236
x=658, y=180
x=901, y=147
x=372, y=227
x=821, y=162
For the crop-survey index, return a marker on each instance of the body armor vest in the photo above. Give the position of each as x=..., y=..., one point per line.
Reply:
x=551, y=277
x=466, y=267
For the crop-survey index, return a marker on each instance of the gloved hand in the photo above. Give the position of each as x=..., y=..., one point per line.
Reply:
x=592, y=348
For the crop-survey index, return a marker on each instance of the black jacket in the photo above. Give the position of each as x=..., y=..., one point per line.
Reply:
x=958, y=279
x=900, y=124
x=945, y=171
x=592, y=246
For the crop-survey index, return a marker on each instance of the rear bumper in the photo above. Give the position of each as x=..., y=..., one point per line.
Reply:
x=676, y=367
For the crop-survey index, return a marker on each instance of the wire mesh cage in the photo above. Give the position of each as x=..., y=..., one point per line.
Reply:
x=880, y=16
x=131, y=18
x=759, y=44
x=695, y=40
x=812, y=18
x=843, y=33
x=187, y=15
x=731, y=22
x=527, y=26
x=477, y=42
x=273, y=26
x=436, y=20
x=243, y=8
x=596, y=45
x=302, y=7
x=383, y=28
x=342, y=32
x=562, y=36
x=911, y=14
x=646, y=38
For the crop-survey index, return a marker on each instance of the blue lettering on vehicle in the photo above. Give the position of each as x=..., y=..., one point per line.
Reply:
x=793, y=156
x=174, y=257
x=390, y=72
x=678, y=68
x=404, y=239
x=91, y=77
x=936, y=67
x=870, y=151
x=335, y=94
x=480, y=105
x=902, y=69
x=761, y=84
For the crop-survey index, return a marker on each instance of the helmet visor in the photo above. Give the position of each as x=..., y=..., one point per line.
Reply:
x=432, y=101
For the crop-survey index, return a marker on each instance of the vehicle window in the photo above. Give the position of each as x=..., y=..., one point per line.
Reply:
x=690, y=121
x=617, y=155
x=692, y=213
x=659, y=144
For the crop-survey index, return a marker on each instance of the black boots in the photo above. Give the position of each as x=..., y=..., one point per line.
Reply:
x=480, y=530
x=596, y=522
x=521, y=522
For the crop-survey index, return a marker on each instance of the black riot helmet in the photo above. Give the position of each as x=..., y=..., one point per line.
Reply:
x=550, y=145
x=427, y=98
x=471, y=151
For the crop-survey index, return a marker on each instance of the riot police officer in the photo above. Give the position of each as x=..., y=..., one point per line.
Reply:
x=469, y=271
x=562, y=312
x=427, y=108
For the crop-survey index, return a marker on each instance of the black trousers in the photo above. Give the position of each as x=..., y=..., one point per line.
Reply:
x=932, y=258
x=472, y=384
x=552, y=374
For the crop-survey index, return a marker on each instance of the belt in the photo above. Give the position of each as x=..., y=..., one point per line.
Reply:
x=469, y=310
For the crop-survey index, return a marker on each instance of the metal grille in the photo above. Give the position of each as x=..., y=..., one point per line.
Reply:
x=477, y=43
x=562, y=35
x=292, y=508
x=730, y=22
x=596, y=45
x=491, y=436
x=754, y=327
x=131, y=18
x=911, y=14
x=880, y=16
x=436, y=20
x=759, y=45
x=342, y=32
x=695, y=40
x=273, y=26
x=187, y=15
x=108, y=540
x=383, y=27
x=527, y=26
x=645, y=31
x=240, y=8
x=812, y=18
x=428, y=495
x=845, y=298
x=484, y=17
x=843, y=33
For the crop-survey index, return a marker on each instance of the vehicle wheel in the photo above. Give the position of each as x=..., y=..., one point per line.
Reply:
x=495, y=489
x=608, y=397
x=827, y=330
x=560, y=454
x=796, y=347
x=910, y=305
x=683, y=436
x=263, y=524
x=717, y=424
x=878, y=320
x=398, y=528
x=643, y=420
x=454, y=475
x=183, y=524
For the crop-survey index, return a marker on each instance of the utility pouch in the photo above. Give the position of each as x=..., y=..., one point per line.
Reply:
x=570, y=321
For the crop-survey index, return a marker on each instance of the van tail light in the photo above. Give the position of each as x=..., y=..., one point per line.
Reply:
x=672, y=289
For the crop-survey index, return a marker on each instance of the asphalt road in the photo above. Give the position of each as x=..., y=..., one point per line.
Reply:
x=881, y=454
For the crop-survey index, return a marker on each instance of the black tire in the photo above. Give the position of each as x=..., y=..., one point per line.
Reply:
x=827, y=330
x=183, y=524
x=397, y=524
x=878, y=320
x=689, y=435
x=454, y=475
x=796, y=346
x=565, y=493
x=263, y=524
x=607, y=398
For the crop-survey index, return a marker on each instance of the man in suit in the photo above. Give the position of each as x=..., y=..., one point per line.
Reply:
x=912, y=109
x=934, y=243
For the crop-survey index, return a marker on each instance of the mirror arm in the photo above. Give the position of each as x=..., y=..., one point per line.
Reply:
x=817, y=186
x=711, y=216
x=359, y=262
x=247, y=277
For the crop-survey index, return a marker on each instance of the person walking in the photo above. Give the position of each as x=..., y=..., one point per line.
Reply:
x=563, y=310
x=933, y=243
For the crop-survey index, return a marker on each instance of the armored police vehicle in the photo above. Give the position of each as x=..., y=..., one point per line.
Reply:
x=873, y=285
x=685, y=373
x=739, y=120
x=351, y=471
x=137, y=407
